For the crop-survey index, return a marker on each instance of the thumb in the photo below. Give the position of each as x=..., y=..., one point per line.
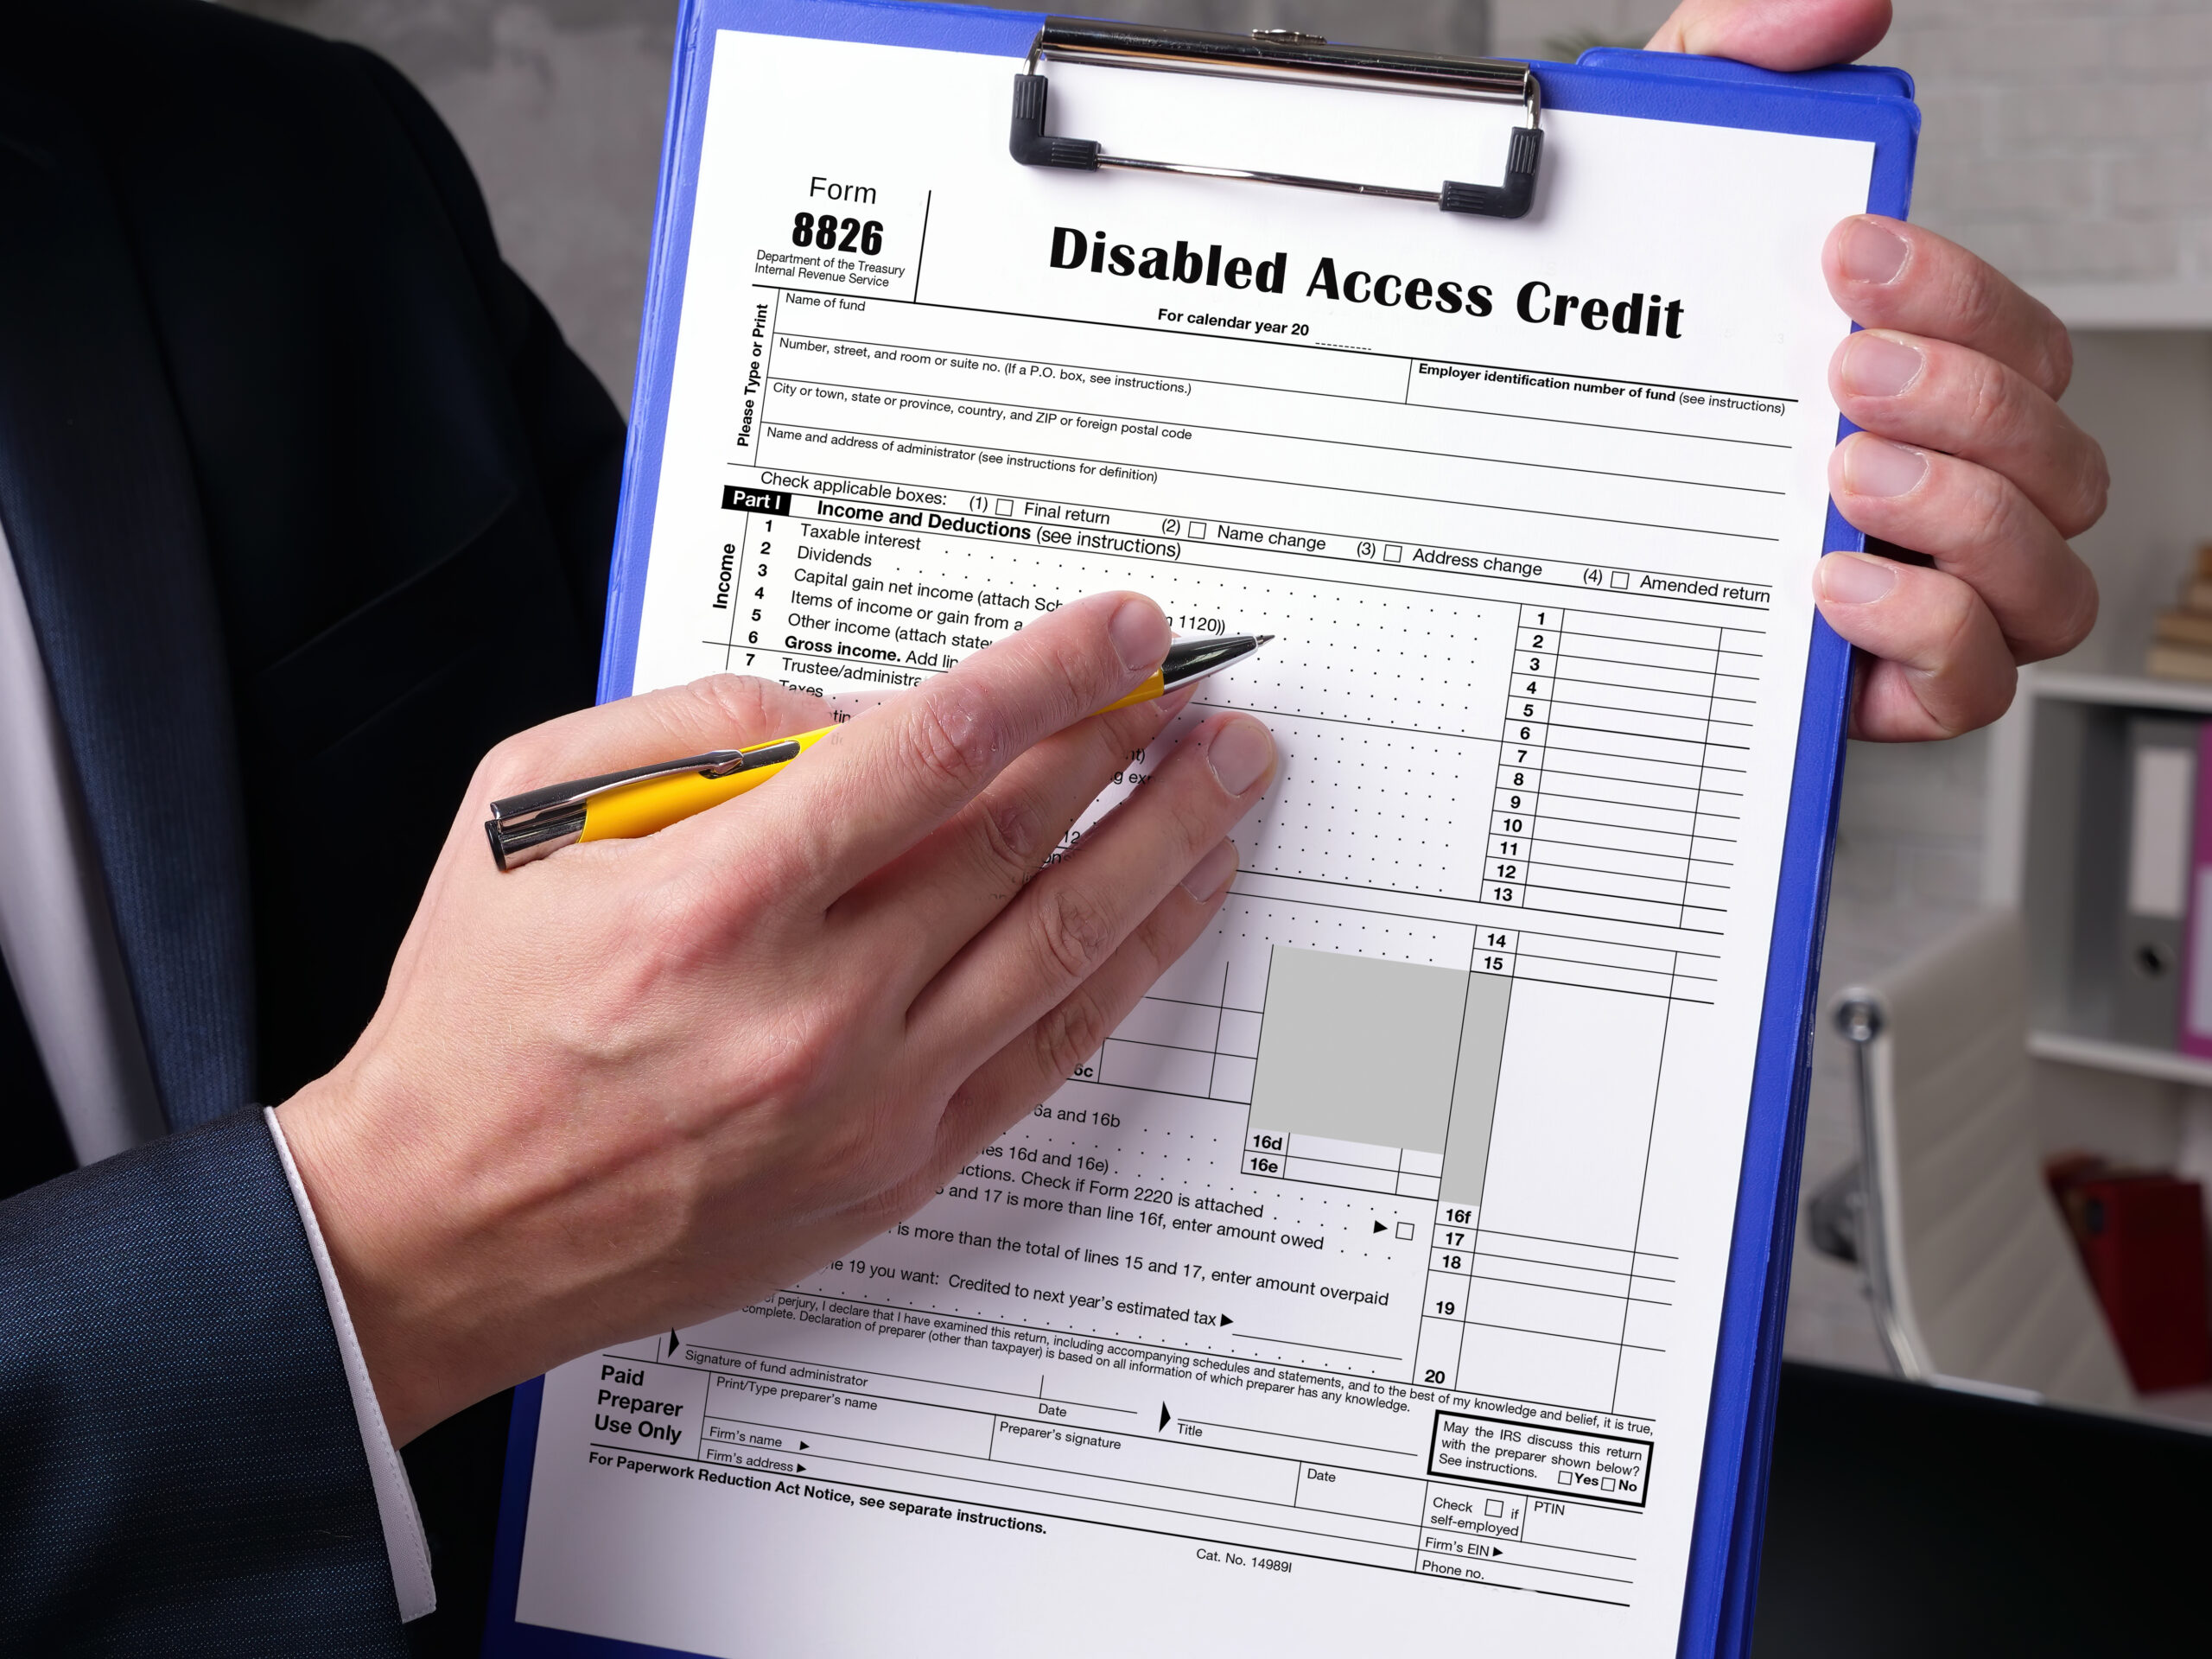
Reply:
x=1776, y=33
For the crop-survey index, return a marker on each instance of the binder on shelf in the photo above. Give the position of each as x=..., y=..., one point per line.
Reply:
x=920, y=216
x=2160, y=810
x=2141, y=1235
x=2196, y=998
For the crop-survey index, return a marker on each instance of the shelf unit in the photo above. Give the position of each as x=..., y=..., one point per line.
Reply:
x=2100, y=1055
x=2036, y=765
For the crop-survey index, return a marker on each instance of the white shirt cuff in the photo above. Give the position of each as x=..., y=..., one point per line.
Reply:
x=403, y=1543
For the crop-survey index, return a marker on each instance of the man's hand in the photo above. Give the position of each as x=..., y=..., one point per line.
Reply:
x=639, y=1084
x=1964, y=458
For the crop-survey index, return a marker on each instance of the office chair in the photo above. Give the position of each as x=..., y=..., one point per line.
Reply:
x=1974, y=1279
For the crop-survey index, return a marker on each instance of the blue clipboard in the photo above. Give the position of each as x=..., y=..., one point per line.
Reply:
x=1867, y=104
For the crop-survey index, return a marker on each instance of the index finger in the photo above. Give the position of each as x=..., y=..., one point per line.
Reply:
x=854, y=802
x=1887, y=274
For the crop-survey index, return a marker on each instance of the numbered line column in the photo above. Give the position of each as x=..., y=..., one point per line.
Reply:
x=1444, y=1311
x=1266, y=1153
x=765, y=597
x=1630, y=703
x=1521, y=755
x=741, y=587
x=1495, y=950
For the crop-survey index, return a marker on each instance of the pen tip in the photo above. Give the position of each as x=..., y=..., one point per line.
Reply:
x=1262, y=638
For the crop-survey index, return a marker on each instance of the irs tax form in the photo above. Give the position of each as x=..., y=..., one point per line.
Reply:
x=1363, y=1291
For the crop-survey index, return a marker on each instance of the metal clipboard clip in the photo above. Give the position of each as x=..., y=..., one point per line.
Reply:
x=1280, y=54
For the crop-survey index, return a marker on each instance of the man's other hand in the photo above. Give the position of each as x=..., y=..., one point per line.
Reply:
x=642, y=1083
x=1964, y=457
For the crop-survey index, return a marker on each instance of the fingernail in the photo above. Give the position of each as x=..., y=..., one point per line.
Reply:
x=1140, y=634
x=1872, y=253
x=1876, y=368
x=1211, y=874
x=1877, y=467
x=1240, y=754
x=1854, y=579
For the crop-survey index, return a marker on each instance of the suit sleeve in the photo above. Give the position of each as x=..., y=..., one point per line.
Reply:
x=180, y=1468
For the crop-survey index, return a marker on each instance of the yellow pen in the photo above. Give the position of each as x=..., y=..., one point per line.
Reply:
x=619, y=805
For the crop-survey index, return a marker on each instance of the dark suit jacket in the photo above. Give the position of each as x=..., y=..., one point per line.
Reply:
x=310, y=505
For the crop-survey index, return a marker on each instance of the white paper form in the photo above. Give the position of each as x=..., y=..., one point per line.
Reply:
x=1364, y=1287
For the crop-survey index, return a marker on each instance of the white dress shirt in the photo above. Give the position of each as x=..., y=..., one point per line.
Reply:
x=59, y=943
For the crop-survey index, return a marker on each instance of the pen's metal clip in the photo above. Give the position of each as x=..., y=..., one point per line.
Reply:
x=1280, y=54
x=525, y=827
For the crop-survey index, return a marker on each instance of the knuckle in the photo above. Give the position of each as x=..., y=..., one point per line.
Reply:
x=802, y=867
x=2054, y=460
x=1983, y=304
x=497, y=772
x=950, y=739
x=1074, y=676
x=2071, y=624
x=1988, y=696
x=736, y=701
x=2085, y=617
x=1955, y=614
x=2056, y=347
x=1989, y=514
x=881, y=1211
x=1071, y=1034
x=1196, y=823
x=529, y=759
x=787, y=1060
x=1010, y=834
x=2091, y=488
x=1971, y=703
x=1953, y=693
x=690, y=916
x=840, y=1137
x=853, y=1156
x=1992, y=404
x=634, y=975
x=698, y=712
x=1976, y=296
x=1992, y=307
x=1072, y=928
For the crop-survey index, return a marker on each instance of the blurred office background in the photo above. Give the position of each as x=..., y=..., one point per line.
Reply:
x=2067, y=141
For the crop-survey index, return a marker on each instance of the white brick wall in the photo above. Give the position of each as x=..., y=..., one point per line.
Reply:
x=2065, y=141
x=1521, y=29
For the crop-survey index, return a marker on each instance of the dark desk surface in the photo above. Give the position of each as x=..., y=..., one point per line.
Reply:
x=1902, y=1521
x=1905, y=1521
